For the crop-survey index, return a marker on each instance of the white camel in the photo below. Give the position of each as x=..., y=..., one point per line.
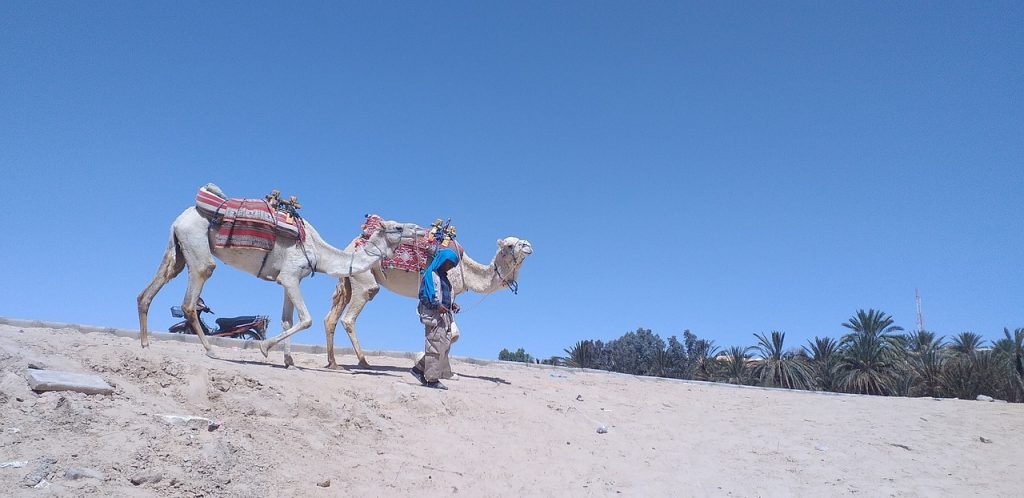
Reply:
x=287, y=263
x=352, y=293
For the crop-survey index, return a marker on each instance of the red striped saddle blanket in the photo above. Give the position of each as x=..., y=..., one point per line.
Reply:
x=247, y=223
x=414, y=256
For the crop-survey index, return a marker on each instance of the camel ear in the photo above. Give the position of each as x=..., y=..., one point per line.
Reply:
x=499, y=243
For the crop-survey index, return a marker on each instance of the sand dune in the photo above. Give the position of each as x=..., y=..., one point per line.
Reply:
x=501, y=430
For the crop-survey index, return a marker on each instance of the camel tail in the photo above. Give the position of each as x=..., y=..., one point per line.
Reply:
x=172, y=264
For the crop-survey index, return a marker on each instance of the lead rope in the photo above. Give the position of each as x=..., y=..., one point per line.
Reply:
x=475, y=305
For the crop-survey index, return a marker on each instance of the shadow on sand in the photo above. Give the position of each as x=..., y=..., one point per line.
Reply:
x=378, y=370
x=496, y=380
x=250, y=362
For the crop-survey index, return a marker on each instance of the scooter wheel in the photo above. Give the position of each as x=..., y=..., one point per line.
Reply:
x=249, y=335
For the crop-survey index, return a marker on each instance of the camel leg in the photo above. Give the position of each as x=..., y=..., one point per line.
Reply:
x=292, y=293
x=287, y=313
x=199, y=258
x=348, y=320
x=340, y=298
x=197, y=277
x=170, y=267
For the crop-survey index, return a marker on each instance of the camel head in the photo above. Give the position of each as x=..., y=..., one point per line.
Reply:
x=511, y=253
x=394, y=234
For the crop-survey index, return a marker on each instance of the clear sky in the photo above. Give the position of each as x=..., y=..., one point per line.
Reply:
x=723, y=167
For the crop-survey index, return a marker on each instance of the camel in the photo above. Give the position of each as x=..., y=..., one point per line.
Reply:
x=287, y=263
x=355, y=291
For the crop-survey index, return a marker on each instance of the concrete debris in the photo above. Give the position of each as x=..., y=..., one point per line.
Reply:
x=52, y=380
x=324, y=484
x=982, y=397
x=190, y=421
x=14, y=464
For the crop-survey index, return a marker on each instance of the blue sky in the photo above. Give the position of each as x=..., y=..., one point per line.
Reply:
x=723, y=167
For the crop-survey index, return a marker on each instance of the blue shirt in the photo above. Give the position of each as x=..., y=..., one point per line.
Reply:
x=428, y=294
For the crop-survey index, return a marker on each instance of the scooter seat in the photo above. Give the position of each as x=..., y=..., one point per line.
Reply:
x=230, y=323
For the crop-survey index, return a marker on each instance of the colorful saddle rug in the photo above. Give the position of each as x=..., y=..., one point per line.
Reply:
x=413, y=256
x=247, y=223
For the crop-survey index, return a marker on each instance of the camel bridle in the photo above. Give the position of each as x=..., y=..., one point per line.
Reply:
x=511, y=283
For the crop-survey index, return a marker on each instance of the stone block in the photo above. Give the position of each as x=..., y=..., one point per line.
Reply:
x=52, y=380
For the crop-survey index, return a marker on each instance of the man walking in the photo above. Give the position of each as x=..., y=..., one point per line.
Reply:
x=435, y=309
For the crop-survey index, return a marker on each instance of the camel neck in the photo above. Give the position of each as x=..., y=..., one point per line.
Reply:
x=339, y=263
x=478, y=278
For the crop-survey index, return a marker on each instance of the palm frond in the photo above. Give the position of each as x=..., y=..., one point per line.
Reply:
x=778, y=369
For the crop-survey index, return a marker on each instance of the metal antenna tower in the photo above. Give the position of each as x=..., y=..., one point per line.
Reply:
x=920, y=313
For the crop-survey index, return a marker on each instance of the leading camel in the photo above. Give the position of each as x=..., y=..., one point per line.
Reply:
x=352, y=293
x=287, y=263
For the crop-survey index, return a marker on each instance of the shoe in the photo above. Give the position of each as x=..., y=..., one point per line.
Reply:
x=436, y=385
x=418, y=374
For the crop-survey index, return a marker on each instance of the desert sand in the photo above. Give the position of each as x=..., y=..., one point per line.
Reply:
x=501, y=430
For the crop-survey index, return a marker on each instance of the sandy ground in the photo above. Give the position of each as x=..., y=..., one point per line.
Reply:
x=501, y=430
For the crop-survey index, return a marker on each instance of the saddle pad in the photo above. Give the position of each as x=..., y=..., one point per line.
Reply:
x=247, y=223
x=413, y=256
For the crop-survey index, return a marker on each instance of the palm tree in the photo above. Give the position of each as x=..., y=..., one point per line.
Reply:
x=661, y=364
x=966, y=343
x=736, y=368
x=1007, y=345
x=923, y=340
x=967, y=376
x=867, y=366
x=1011, y=348
x=580, y=355
x=1009, y=351
x=824, y=357
x=704, y=364
x=872, y=322
x=777, y=368
x=924, y=357
x=870, y=353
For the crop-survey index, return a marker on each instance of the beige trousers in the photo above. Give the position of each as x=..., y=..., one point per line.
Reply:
x=437, y=329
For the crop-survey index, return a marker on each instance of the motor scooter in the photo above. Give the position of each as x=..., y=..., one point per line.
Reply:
x=253, y=327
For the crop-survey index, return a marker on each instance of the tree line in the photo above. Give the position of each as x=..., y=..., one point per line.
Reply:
x=873, y=357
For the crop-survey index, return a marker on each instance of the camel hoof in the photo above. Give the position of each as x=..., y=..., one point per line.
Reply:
x=210, y=354
x=264, y=349
x=288, y=361
x=363, y=363
x=334, y=366
x=145, y=344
